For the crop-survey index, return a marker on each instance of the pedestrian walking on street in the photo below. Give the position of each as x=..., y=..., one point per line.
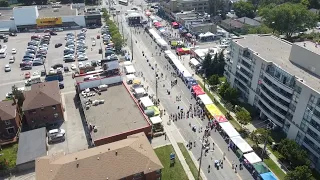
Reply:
x=209, y=168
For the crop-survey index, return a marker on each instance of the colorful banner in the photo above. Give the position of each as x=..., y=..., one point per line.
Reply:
x=213, y=110
x=49, y=21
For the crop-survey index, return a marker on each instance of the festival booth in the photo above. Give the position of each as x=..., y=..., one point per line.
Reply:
x=145, y=102
x=156, y=122
x=251, y=158
x=204, y=99
x=129, y=70
x=208, y=36
x=139, y=92
x=176, y=44
x=190, y=79
x=148, y=13
x=260, y=170
x=240, y=146
x=175, y=25
x=212, y=111
x=227, y=131
x=154, y=34
x=182, y=51
x=194, y=63
x=153, y=111
x=162, y=30
x=267, y=176
x=130, y=78
x=162, y=43
x=192, y=83
x=197, y=90
x=157, y=25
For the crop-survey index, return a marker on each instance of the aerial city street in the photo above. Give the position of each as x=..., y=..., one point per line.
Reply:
x=147, y=89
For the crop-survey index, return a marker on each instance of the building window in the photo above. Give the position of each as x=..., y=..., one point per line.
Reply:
x=297, y=89
x=42, y=108
x=7, y=122
x=138, y=176
x=10, y=130
x=54, y=107
x=55, y=115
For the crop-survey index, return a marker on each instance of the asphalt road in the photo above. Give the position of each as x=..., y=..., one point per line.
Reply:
x=143, y=42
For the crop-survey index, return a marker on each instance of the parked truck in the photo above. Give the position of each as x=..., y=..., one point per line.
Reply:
x=33, y=80
x=54, y=77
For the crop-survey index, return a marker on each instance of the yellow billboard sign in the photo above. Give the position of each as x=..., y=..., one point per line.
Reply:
x=49, y=21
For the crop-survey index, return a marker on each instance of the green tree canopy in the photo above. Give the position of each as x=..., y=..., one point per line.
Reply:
x=18, y=95
x=243, y=116
x=206, y=64
x=228, y=93
x=213, y=80
x=288, y=18
x=244, y=9
x=293, y=153
x=300, y=173
x=259, y=136
x=4, y=3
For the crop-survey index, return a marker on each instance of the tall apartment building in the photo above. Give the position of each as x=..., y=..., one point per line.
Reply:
x=173, y=6
x=282, y=81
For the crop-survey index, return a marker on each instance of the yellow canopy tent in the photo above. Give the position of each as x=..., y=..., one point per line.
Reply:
x=213, y=110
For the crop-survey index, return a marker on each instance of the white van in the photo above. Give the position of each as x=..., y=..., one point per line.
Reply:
x=33, y=80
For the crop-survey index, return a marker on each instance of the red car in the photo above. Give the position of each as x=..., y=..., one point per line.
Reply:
x=27, y=75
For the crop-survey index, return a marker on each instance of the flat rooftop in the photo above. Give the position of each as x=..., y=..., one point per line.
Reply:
x=310, y=46
x=6, y=14
x=278, y=51
x=62, y=11
x=118, y=114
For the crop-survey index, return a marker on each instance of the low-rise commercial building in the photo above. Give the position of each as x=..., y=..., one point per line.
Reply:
x=127, y=159
x=174, y=6
x=281, y=80
x=43, y=105
x=10, y=122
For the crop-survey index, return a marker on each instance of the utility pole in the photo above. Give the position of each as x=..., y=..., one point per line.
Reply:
x=131, y=45
x=201, y=157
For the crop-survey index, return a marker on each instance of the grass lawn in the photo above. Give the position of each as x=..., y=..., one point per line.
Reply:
x=192, y=166
x=173, y=173
x=9, y=153
x=275, y=169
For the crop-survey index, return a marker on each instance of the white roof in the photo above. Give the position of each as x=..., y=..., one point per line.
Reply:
x=156, y=120
x=229, y=129
x=146, y=102
x=127, y=63
x=205, y=99
x=154, y=34
x=130, y=69
x=131, y=76
x=194, y=62
x=241, y=144
x=252, y=157
x=139, y=90
x=162, y=42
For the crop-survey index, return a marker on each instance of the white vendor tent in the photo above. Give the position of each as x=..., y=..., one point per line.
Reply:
x=252, y=157
x=229, y=129
x=130, y=77
x=154, y=34
x=129, y=69
x=205, y=99
x=241, y=144
x=156, y=120
x=146, y=102
x=139, y=90
x=127, y=63
x=194, y=62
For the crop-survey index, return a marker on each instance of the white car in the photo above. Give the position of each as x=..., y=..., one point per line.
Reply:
x=93, y=43
x=11, y=60
x=14, y=51
x=7, y=68
x=73, y=66
x=36, y=73
x=55, y=132
x=81, y=65
x=82, y=58
x=51, y=71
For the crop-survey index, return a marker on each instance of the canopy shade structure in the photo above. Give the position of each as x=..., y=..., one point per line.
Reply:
x=205, y=99
x=268, y=176
x=252, y=158
x=197, y=90
x=146, y=102
x=127, y=63
x=220, y=118
x=156, y=120
x=130, y=69
x=192, y=83
x=261, y=168
x=154, y=34
x=213, y=110
x=162, y=42
x=130, y=77
x=155, y=109
x=175, y=24
x=240, y=143
x=194, y=62
x=229, y=129
x=139, y=90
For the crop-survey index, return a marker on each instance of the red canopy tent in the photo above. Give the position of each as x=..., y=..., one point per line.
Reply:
x=157, y=24
x=175, y=24
x=197, y=90
x=220, y=118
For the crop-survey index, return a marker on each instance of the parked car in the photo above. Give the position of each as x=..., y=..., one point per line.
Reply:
x=53, y=33
x=57, y=65
x=27, y=75
x=12, y=59
x=43, y=73
x=7, y=68
x=57, y=138
x=14, y=51
x=54, y=132
x=52, y=71
x=27, y=67
x=65, y=69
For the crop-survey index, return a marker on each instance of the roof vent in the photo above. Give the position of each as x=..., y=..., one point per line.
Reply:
x=76, y=158
x=108, y=149
x=116, y=153
x=98, y=158
x=77, y=165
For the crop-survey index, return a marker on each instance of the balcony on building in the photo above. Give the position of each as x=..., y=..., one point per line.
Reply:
x=244, y=73
x=311, y=146
x=246, y=66
x=273, y=117
x=272, y=97
x=275, y=109
x=277, y=90
x=280, y=78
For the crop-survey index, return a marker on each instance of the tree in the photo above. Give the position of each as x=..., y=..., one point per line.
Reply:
x=213, y=80
x=4, y=3
x=288, y=18
x=243, y=116
x=259, y=136
x=292, y=152
x=118, y=42
x=263, y=29
x=300, y=173
x=244, y=9
x=206, y=64
x=18, y=95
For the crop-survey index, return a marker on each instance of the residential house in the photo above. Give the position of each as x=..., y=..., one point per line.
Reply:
x=10, y=122
x=232, y=25
x=249, y=21
x=42, y=105
x=131, y=158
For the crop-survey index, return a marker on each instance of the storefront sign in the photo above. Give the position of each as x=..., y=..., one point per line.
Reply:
x=49, y=21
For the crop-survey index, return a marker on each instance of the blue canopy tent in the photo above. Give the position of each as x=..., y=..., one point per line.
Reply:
x=268, y=176
x=192, y=83
x=188, y=79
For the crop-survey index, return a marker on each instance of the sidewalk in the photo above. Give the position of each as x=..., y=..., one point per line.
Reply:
x=250, y=127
